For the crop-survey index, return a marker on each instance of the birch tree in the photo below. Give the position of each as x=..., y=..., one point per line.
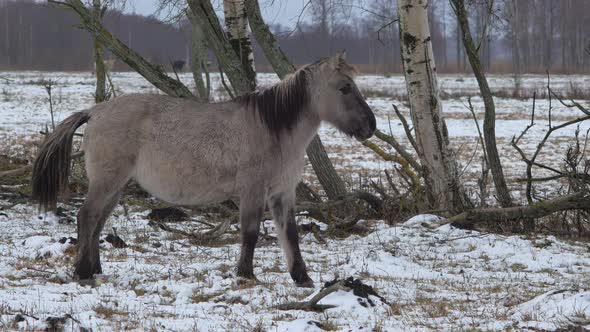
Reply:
x=236, y=23
x=437, y=159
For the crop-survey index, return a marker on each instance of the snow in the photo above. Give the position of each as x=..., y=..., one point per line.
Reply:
x=557, y=307
x=421, y=220
x=434, y=279
x=437, y=279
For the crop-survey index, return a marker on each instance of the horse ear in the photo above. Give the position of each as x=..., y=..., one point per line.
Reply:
x=337, y=59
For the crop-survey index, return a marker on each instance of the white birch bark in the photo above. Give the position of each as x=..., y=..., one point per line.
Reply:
x=440, y=169
x=236, y=22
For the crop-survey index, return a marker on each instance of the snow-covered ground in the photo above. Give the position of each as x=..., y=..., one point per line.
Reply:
x=431, y=280
x=443, y=279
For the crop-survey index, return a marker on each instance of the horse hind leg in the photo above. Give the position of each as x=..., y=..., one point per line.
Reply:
x=100, y=201
x=106, y=212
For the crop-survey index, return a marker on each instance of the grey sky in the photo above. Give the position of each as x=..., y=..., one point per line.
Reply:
x=284, y=12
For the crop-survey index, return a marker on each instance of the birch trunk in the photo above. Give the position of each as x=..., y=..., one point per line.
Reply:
x=437, y=159
x=100, y=93
x=218, y=42
x=236, y=23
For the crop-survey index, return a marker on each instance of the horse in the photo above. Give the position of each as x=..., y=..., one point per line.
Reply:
x=250, y=149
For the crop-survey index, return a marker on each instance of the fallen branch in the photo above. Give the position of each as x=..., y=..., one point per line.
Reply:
x=576, y=201
x=16, y=171
x=312, y=304
x=205, y=237
x=24, y=169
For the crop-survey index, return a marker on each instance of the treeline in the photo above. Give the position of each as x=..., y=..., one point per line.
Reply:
x=519, y=36
x=39, y=36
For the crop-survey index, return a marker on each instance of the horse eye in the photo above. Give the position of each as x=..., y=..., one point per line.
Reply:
x=346, y=89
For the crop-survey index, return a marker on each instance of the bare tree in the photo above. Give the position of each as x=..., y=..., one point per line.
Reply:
x=489, y=124
x=100, y=93
x=439, y=166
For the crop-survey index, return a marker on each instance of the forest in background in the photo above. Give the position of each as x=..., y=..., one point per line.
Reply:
x=521, y=36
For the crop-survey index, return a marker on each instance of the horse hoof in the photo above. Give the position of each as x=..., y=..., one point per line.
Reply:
x=241, y=281
x=87, y=282
x=305, y=284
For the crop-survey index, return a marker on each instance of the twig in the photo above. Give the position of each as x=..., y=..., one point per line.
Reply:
x=48, y=85
x=530, y=162
x=441, y=241
x=388, y=24
x=227, y=88
x=532, y=120
x=407, y=129
x=174, y=69
x=111, y=85
x=400, y=149
x=471, y=108
x=207, y=78
x=199, y=237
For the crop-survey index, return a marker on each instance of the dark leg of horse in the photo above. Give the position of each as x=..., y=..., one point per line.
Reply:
x=251, y=210
x=88, y=219
x=282, y=206
x=102, y=197
x=106, y=212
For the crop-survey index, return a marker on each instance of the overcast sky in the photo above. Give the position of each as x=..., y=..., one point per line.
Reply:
x=284, y=12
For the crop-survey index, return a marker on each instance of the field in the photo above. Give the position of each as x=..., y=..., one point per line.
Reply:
x=430, y=280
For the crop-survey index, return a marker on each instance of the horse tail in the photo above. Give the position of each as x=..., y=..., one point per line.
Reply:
x=52, y=165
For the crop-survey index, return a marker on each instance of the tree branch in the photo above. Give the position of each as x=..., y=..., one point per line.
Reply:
x=154, y=74
x=576, y=201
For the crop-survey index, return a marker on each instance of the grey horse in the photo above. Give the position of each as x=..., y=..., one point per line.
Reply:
x=251, y=148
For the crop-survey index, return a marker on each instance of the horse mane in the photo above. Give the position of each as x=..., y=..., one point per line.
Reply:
x=280, y=106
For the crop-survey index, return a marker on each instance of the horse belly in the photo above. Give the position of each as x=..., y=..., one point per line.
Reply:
x=185, y=182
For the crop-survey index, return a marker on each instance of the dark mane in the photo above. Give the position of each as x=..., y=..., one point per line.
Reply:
x=281, y=105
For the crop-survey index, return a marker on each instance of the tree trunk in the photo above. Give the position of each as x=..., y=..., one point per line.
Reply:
x=199, y=61
x=489, y=123
x=100, y=94
x=217, y=41
x=236, y=23
x=439, y=166
x=322, y=166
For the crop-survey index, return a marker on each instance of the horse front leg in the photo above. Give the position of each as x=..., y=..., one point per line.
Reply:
x=283, y=210
x=251, y=211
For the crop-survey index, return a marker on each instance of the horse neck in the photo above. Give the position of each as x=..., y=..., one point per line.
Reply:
x=301, y=135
